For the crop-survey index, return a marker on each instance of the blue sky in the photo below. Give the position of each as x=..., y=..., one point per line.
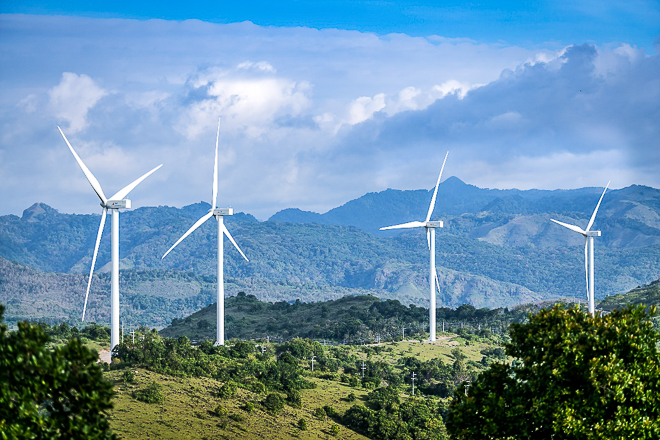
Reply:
x=321, y=102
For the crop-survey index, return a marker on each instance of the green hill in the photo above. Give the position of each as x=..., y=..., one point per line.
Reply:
x=648, y=295
x=354, y=319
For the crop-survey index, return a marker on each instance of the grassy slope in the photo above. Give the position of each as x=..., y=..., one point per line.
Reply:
x=186, y=412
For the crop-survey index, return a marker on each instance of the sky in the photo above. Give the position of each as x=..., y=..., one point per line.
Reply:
x=320, y=102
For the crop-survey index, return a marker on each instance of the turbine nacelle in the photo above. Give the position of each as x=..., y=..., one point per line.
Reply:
x=222, y=211
x=117, y=204
x=434, y=224
x=592, y=234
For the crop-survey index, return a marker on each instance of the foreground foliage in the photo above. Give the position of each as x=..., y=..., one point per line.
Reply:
x=44, y=393
x=574, y=377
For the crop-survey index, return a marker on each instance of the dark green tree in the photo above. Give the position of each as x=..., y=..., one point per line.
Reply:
x=44, y=393
x=574, y=377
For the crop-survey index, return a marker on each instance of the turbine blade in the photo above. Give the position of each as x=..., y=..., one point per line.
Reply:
x=90, y=177
x=571, y=227
x=226, y=231
x=215, y=169
x=96, y=251
x=435, y=192
x=586, y=267
x=128, y=188
x=189, y=231
x=593, y=216
x=405, y=226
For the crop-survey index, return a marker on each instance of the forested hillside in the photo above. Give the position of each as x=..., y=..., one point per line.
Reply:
x=498, y=249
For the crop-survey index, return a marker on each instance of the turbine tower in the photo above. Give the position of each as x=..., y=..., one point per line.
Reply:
x=114, y=204
x=219, y=214
x=588, y=251
x=430, y=239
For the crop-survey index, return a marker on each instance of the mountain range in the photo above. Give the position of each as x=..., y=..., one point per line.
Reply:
x=498, y=248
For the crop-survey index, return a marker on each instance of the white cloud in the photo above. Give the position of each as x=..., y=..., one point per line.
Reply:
x=314, y=119
x=73, y=97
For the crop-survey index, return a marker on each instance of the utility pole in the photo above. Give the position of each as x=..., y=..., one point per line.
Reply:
x=363, y=367
x=413, y=383
x=404, y=334
x=133, y=335
x=122, y=332
x=313, y=357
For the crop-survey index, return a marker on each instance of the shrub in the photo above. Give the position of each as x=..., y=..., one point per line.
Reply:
x=302, y=425
x=334, y=430
x=320, y=414
x=249, y=407
x=128, y=376
x=351, y=397
x=151, y=394
x=227, y=390
x=274, y=403
x=293, y=399
x=220, y=411
x=237, y=418
x=330, y=411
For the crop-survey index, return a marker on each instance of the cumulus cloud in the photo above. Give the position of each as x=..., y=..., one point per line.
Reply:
x=315, y=117
x=73, y=97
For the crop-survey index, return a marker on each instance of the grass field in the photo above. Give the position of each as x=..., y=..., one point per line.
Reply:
x=187, y=412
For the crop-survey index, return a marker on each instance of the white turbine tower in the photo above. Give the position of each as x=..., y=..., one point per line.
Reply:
x=218, y=213
x=114, y=204
x=430, y=239
x=588, y=251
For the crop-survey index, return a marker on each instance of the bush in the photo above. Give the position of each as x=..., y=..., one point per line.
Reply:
x=237, y=418
x=293, y=399
x=128, y=376
x=351, y=397
x=320, y=414
x=330, y=411
x=151, y=394
x=274, y=403
x=249, y=407
x=302, y=425
x=334, y=430
x=227, y=390
x=220, y=411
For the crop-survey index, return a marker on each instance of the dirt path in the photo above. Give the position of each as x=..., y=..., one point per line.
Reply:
x=104, y=355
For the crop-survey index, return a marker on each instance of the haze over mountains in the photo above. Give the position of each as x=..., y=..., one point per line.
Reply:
x=498, y=248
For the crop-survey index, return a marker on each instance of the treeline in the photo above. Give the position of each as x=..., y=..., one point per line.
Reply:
x=349, y=320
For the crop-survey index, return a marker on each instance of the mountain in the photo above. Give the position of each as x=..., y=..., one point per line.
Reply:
x=498, y=249
x=629, y=217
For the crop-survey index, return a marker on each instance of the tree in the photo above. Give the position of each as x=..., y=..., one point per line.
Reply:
x=59, y=393
x=575, y=377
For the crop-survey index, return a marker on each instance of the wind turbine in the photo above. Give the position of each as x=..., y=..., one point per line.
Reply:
x=588, y=251
x=114, y=204
x=218, y=213
x=430, y=239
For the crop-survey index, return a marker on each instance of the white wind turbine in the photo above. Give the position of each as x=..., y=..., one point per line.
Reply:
x=218, y=213
x=114, y=204
x=588, y=251
x=430, y=239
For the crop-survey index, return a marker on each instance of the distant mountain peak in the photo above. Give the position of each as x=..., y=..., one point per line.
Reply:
x=454, y=181
x=38, y=212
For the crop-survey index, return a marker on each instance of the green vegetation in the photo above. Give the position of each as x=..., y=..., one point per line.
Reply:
x=573, y=376
x=153, y=393
x=351, y=319
x=50, y=393
x=647, y=295
x=503, y=245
